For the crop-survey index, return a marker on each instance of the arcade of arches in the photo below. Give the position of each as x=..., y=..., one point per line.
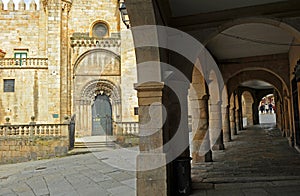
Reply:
x=255, y=48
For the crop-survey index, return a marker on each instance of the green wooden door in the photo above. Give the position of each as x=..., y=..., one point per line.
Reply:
x=101, y=114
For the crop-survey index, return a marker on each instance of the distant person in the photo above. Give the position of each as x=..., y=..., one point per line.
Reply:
x=262, y=108
x=270, y=107
x=267, y=108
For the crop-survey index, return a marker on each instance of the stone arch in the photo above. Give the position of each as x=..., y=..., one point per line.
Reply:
x=198, y=110
x=247, y=112
x=101, y=86
x=213, y=87
x=83, y=105
x=95, y=72
x=262, y=75
x=278, y=79
x=97, y=22
x=288, y=27
x=215, y=111
x=83, y=56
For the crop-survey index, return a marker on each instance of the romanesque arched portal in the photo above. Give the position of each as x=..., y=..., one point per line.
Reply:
x=98, y=107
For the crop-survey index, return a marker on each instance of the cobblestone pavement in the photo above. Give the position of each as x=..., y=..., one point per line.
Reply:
x=257, y=162
x=84, y=174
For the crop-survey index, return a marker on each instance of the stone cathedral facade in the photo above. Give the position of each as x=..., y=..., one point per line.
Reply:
x=63, y=59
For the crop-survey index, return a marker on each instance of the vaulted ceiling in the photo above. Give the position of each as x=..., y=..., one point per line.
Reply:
x=251, y=39
x=194, y=7
x=198, y=17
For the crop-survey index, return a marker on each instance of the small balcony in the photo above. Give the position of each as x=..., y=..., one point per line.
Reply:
x=21, y=63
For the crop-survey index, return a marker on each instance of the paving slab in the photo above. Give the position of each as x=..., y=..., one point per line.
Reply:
x=258, y=161
x=82, y=174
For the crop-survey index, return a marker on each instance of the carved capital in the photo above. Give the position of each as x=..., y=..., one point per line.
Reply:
x=45, y=4
x=66, y=5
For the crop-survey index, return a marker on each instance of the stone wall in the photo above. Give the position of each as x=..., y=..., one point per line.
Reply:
x=20, y=149
x=85, y=12
x=29, y=98
x=20, y=29
x=129, y=77
x=50, y=93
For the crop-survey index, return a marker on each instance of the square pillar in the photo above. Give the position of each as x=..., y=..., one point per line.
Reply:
x=151, y=162
x=215, y=126
x=233, y=121
x=201, y=151
x=226, y=124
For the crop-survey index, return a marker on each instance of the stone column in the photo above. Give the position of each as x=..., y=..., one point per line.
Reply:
x=232, y=121
x=65, y=77
x=54, y=33
x=237, y=120
x=215, y=126
x=151, y=161
x=201, y=151
x=255, y=113
x=226, y=124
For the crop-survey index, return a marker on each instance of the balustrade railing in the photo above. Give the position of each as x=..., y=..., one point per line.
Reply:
x=128, y=128
x=34, y=130
x=23, y=62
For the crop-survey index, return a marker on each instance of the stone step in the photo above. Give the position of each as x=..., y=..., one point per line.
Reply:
x=94, y=144
x=245, y=182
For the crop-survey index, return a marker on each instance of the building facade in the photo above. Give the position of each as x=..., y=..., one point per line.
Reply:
x=62, y=59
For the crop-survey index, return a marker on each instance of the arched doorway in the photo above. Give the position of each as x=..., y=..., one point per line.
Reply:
x=99, y=100
x=247, y=102
x=267, y=110
x=101, y=116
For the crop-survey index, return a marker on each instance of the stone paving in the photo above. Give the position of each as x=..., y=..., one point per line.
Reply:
x=84, y=174
x=257, y=162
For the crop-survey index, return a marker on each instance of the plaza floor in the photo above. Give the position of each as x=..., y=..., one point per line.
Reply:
x=85, y=174
x=257, y=162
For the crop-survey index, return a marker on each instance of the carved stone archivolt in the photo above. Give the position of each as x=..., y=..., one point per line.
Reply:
x=99, y=87
x=98, y=62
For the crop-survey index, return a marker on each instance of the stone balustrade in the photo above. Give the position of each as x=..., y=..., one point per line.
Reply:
x=24, y=63
x=21, y=143
x=129, y=128
x=34, y=130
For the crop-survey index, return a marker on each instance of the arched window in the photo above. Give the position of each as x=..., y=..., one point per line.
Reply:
x=100, y=30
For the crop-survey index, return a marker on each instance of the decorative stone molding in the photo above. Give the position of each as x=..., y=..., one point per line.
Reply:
x=2, y=53
x=95, y=43
x=97, y=87
x=45, y=4
x=66, y=5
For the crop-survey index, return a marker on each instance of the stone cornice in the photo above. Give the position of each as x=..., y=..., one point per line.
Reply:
x=92, y=42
